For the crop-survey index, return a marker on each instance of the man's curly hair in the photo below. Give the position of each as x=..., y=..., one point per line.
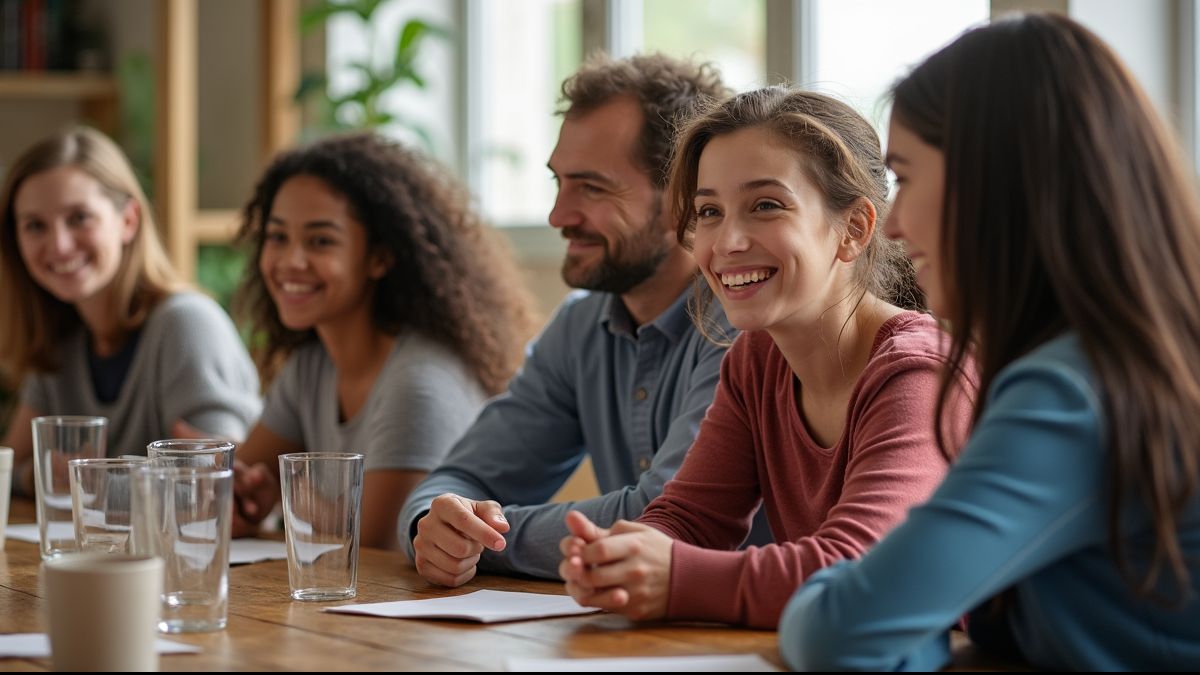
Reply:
x=665, y=88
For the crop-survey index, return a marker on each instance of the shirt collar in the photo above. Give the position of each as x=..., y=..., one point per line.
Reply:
x=674, y=322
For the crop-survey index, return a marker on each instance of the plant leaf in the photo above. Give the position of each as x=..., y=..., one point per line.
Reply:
x=411, y=36
x=319, y=14
x=310, y=83
x=366, y=8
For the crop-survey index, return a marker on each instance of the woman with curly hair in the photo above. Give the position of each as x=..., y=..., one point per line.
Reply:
x=385, y=312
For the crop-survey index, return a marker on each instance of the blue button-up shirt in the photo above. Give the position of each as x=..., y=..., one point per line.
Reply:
x=593, y=384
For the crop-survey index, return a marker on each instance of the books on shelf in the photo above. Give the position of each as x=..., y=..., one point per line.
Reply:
x=41, y=35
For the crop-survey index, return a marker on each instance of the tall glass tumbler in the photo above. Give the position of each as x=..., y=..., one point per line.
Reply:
x=57, y=440
x=184, y=516
x=322, y=506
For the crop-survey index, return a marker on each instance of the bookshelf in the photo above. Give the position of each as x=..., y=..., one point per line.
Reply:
x=35, y=101
x=95, y=94
x=57, y=85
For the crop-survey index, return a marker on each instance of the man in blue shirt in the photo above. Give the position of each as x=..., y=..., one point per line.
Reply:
x=619, y=374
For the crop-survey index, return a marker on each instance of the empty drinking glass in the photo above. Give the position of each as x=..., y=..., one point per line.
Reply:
x=57, y=440
x=184, y=516
x=322, y=502
x=102, y=502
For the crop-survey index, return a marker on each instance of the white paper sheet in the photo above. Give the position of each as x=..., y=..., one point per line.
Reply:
x=244, y=551
x=37, y=645
x=481, y=606
x=241, y=551
x=725, y=663
x=309, y=551
x=29, y=531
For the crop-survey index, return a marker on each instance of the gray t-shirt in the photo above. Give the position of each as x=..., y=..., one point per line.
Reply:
x=423, y=400
x=190, y=365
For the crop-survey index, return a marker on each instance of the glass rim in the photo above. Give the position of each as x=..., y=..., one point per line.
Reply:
x=179, y=445
x=72, y=420
x=108, y=461
x=310, y=456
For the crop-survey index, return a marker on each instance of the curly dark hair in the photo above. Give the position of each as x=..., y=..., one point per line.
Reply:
x=452, y=277
x=666, y=89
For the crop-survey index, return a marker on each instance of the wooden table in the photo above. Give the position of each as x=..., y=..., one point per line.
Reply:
x=267, y=630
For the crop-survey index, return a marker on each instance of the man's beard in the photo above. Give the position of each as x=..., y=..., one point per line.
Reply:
x=638, y=258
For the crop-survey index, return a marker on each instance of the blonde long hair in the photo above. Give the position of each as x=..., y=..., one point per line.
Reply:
x=35, y=320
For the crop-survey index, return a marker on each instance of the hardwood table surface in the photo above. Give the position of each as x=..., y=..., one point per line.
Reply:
x=267, y=630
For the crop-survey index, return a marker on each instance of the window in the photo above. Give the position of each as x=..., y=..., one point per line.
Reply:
x=492, y=115
x=858, y=60
x=730, y=33
x=519, y=55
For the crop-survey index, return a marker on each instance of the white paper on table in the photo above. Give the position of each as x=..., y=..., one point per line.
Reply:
x=29, y=532
x=62, y=501
x=725, y=663
x=241, y=551
x=308, y=552
x=245, y=551
x=98, y=518
x=37, y=645
x=204, y=530
x=481, y=606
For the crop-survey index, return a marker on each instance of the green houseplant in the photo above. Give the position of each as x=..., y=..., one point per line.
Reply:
x=383, y=69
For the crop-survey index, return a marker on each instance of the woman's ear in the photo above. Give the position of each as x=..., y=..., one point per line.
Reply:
x=378, y=264
x=131, y=217
x=859, y=228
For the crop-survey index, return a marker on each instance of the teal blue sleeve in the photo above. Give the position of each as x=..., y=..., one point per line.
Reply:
x=1026, y=491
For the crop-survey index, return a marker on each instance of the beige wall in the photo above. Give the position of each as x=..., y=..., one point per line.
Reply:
x=230, y=98
x=22, y=122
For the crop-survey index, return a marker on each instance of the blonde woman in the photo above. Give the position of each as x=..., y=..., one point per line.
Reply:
x=97, y=322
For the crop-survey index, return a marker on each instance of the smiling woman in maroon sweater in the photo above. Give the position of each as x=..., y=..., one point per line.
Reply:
x=824, y=412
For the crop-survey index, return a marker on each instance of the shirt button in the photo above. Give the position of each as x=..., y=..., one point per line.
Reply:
x=644, y=463
x=641, y=394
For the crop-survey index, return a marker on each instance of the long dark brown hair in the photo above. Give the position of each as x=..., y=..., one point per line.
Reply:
x=841, y=156
x=1068, y=207
x=452, y=277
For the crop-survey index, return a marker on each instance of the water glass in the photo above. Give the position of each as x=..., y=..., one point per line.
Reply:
x=322, y=503
x=6, y=462
x=102, y=502
x=184, y=516
x=56, y=441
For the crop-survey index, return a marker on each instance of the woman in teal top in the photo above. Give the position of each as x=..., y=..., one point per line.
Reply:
x=1053, y=221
